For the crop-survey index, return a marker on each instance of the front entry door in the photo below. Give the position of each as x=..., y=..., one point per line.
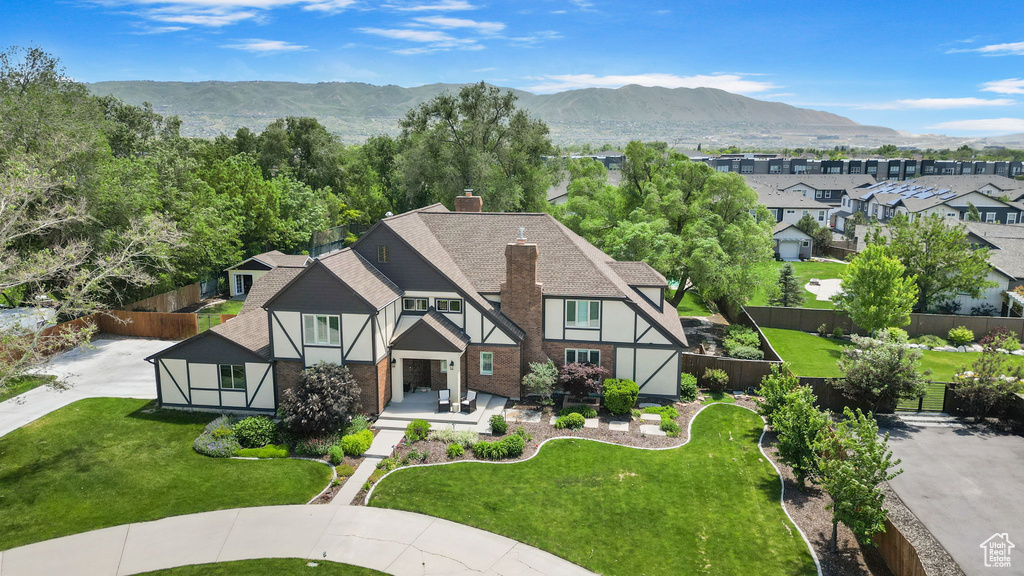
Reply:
x=416, y=373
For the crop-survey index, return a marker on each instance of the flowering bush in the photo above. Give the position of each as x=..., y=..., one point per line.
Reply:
x=217, y=439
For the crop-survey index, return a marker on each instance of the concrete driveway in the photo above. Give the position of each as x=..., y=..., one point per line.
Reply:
x=965, y=485
x=111, y=368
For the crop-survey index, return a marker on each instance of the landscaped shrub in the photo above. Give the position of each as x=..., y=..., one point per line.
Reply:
x=255, y=431
x=417, y=430
x=217, y=439
x=664, y=411
x=687, y=387
x=498, y=425
x=823, y=330
x=717, y=379
x=746, y=353
x=510, y=446
x=895, y=335
x=571, y=421
x=268, y=451
x=344, y=470
x=358, y=422
x=322, y=402
x=947, y=307
x=455, y=450
x=620, y=395
x=585, y=411
x=670, y=427
x=464, y=438
x=356, y=444
x=541, y=380
x=773, y=390
x=930, y=341
x=580, y=380
x=837, y=333
x=336, y=454
x=315, y=446
x=960, y=336
x=984, y=309
x=1001, y=338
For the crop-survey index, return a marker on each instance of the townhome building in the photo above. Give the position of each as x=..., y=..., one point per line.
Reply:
x=433, y=298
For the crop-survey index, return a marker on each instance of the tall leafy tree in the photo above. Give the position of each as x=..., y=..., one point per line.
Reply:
x=937, y=254
x=475, y=139
x=876, y=291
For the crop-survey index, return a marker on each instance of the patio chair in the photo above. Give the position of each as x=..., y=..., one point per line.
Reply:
x=468, y=404
x=444, y=401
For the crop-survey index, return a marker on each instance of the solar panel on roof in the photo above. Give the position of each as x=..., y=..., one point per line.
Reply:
x=923, y=195
x=893, y=201
x=947, y=196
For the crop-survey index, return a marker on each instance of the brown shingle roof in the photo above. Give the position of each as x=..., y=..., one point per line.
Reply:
x=376, y=288
x=425, y=333
x=638, y=274
x=266, y=286
x=278, y=258
x=248, y=330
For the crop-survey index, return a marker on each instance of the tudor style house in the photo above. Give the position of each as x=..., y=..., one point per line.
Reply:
x=433, y=298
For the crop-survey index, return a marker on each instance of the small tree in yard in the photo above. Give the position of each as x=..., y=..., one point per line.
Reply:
x=990, y=381
x=788, y=292
x=324, y=400
x=807, y=224
x=880, y=372
x=823, y=239
x=853, y=462
x=541, y=380
x=876, y=292
x=773, y=390
x=581, y=379
x=798, y=423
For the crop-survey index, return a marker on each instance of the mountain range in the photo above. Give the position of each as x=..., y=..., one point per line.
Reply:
x=683, y=117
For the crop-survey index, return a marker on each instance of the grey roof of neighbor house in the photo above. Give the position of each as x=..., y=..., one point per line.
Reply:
x=914, y=195
x=816, y=181
x=276, y=258
x=792, y=199
x=561, y=189
x=1007, y=242
x=376, y=288
x=969, y=183
x=266, y=286
x=785, y=225
x=469, y=248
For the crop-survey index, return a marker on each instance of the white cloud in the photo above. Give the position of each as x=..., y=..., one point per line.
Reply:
x=1009, y=48
x=729, y=82
x=435, y=40
x=265, y=46
x=216, y=13
x=1008, y=86
x=488, y=69
x=535, y=38
x=448, y=23
x=328, y=5
x=939, y=104
x=160, y=29
x=210, y=17
x=987, y=125
x=442, y=6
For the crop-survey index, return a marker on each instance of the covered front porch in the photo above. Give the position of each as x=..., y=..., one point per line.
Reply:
x=422, y=405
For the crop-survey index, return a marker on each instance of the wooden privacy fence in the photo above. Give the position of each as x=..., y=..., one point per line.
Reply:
x=742, y=373
x=169, y=301
x=165, y=326
x=830, y=398
x=808, y=320
x=899, y=554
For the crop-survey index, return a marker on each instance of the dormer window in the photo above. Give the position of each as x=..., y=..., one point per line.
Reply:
x=582, y=314
x=382, y=254
x=414, y=304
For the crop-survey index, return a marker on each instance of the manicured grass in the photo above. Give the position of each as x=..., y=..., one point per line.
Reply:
x=266, y=567
x=210, y=316
x=811, y=355
x=804, y=271
x=108, y=461
x=691, y=305
x=618, y=510
x=723, y=397
x=22, y=384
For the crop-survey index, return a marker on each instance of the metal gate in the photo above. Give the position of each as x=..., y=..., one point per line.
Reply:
x=933, y=400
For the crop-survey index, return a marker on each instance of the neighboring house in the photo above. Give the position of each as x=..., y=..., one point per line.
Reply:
x=950, y=197
x=791, y=243
x=1006, y=245
x=876, y=168
x=432, y=298
x=790, y=197
x=243, y=275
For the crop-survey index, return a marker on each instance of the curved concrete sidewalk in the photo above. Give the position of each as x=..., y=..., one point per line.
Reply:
x=392, y=541
x=108, y=368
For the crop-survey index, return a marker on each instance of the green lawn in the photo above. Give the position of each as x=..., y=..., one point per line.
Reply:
x=811, y=355
x=691, y=305
x=108, y=461
x=709, y=507
x=210, y=316
x=724, y=397
x=266, y=567
x=804, y=271
x=22, y=384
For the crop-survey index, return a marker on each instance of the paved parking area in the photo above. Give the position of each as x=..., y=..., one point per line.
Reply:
x=111, y=368
x=965, y=485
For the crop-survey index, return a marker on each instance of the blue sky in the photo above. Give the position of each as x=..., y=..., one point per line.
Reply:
x=944, y=67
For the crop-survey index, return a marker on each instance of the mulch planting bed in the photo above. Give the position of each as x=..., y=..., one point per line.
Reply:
x=327, y=496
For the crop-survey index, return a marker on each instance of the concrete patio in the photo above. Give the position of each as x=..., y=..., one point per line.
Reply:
x=422, y=405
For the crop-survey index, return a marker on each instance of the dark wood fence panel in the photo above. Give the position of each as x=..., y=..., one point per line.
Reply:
x=899, y=554
x=742, y=373
x=808, y=320
x=830, y=398
x=169, y=301
x=165, y=326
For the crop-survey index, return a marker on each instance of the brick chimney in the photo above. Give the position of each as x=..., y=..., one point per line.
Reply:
x=469, y=202
x=522, y=296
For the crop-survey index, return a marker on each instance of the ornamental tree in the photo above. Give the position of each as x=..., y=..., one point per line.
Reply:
x=880, y=372
x=798, y=423
x=788, y=292
x=580, y=380
x=541, y=380
x=773, y=391
x=324, y=400
x=876, y=292
x=853, y=463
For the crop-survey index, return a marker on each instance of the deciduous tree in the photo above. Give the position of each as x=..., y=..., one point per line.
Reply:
x=876, y=292
x=990, y=381
x=880, y=372
x=799, y=423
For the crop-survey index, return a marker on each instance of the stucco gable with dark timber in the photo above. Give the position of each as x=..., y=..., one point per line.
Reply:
x=318, y=290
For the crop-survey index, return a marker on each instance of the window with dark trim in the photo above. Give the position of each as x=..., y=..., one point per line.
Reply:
x=382, y=254
x=321, y=329
x=232, y=376
x=582, y=314
x=451, y=305
x=573, y=355
x=414, y=304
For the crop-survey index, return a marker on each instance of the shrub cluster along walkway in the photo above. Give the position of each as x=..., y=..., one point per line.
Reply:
x=388, y=540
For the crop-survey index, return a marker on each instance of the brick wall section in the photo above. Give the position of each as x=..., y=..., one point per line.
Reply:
x=506, y=379
x=522, y=298
x=288, y=374
x=469, y=203
x=556, y=351
x=374, y=385
x=383, y=383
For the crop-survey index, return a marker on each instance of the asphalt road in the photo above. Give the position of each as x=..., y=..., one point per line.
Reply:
x=965, y=485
